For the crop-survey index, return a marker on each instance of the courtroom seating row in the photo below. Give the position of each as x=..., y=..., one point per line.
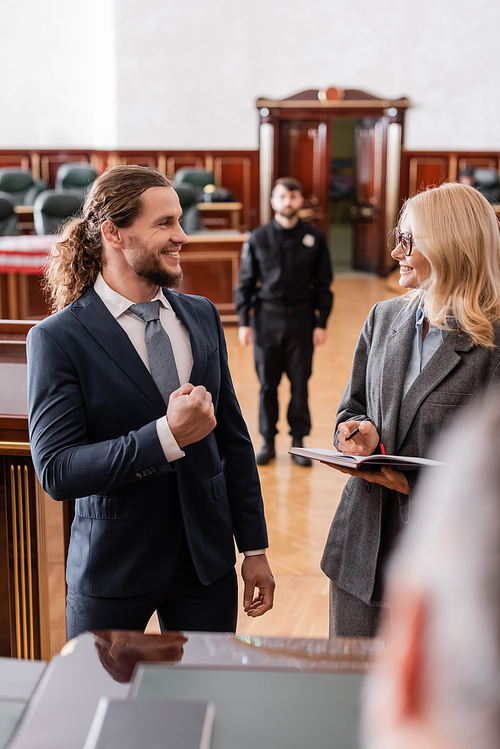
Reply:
x=235, y=170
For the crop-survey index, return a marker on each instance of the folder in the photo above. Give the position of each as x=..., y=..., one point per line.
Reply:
x=375, y=462
x=151, y=724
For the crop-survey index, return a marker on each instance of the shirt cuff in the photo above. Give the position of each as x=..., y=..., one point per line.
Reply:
x=169, y=446
x=254, y=553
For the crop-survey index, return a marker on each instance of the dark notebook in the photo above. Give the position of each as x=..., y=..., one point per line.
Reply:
x=151, y=724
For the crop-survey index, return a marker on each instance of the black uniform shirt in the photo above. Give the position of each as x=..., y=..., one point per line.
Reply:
x=292, y=265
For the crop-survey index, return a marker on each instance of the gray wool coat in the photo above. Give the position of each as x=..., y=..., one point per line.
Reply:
x=370, y=517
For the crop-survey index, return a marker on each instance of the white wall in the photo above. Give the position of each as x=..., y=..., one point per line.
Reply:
x=58, y=74
x=186, y=73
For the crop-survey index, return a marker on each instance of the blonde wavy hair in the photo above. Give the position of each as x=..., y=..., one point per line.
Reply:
x=76, y=258
x=456, y=230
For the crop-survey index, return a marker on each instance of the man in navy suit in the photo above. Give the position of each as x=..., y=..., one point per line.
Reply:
x=162, y=491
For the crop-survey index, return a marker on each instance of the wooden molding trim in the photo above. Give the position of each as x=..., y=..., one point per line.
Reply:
x=15, y=448
x=339, y=104
x=214, y=238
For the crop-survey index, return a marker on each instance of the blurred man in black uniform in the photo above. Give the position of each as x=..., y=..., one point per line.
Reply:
x=290, y=260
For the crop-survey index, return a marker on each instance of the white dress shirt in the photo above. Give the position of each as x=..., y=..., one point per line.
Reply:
x=422, y=351
x=133, y=326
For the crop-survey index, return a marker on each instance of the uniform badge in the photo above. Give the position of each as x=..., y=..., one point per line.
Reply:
x=244, y=250
x=308, y=240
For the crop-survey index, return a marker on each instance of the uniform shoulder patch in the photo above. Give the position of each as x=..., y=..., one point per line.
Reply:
x=308, y=240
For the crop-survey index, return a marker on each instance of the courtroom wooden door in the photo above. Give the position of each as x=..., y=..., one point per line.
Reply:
x=303, y=154
x=295, y=139
x=366, y=213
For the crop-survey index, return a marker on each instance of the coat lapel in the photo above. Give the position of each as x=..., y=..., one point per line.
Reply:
x=93, y=314
x=396, y=357
x=187, y=314
x=439, y=366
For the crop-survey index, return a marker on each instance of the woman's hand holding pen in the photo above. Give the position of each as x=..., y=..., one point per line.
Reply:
x=364, y=442
x=361, y=438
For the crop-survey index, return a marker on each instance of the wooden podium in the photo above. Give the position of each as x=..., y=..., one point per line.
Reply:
x=24, y=585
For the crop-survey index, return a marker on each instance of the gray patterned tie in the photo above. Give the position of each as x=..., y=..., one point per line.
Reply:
x=159, y=348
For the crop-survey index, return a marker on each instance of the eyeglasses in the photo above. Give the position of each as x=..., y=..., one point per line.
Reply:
x=405, y=239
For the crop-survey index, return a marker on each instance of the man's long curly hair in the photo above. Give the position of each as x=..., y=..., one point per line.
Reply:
x=77, y=257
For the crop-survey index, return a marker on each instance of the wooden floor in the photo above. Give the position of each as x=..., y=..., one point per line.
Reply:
x=299, y=502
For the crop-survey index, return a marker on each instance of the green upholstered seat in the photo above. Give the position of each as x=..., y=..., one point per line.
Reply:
x=8, y=219
x=198, y=178
x=77, y=176
x=190, y=214
x=487, y=181
x=20, y=185
x=52, y=209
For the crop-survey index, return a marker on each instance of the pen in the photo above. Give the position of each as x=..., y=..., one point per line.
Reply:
x=355, y=431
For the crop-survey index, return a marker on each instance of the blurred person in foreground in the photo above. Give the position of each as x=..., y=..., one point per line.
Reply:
x=438, y=684
x=418, y=361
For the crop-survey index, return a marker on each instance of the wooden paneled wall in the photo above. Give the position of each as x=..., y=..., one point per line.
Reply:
x=237, y=171
x=420, y=169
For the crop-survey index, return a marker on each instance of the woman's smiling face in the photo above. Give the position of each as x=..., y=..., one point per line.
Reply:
x=414, y=269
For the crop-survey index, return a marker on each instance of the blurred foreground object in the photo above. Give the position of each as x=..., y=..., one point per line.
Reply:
x=438, y=685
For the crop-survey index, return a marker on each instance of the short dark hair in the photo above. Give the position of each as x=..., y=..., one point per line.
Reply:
x=289, y=183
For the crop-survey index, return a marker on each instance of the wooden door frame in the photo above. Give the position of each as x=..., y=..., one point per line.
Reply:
x=326, y=105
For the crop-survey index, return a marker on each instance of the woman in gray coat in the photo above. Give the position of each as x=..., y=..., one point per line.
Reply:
x=419, y=359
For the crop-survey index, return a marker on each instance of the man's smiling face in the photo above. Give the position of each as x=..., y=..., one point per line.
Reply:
x=155, y=239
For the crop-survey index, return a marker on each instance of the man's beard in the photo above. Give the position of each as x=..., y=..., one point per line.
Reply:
x=148, y=266
x=291, y=214
x=159, y=276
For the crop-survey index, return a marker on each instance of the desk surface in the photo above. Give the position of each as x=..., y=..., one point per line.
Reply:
x=219, y=206
x=18, y=680
x=275, y=709
x=22, y=209
x=63, y=706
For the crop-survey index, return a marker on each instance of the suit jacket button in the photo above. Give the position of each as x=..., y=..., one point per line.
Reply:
x=139, y=475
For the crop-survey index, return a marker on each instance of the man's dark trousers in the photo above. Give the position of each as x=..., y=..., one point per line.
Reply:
x=283, y=342
x=183, y=603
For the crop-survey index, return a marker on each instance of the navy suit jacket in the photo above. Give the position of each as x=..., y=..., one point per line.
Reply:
x=93, y=407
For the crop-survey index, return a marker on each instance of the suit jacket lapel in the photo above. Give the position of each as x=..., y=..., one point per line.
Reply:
x=396, y=357
x=440, y=365
x=93, y=314
x=186, y=313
